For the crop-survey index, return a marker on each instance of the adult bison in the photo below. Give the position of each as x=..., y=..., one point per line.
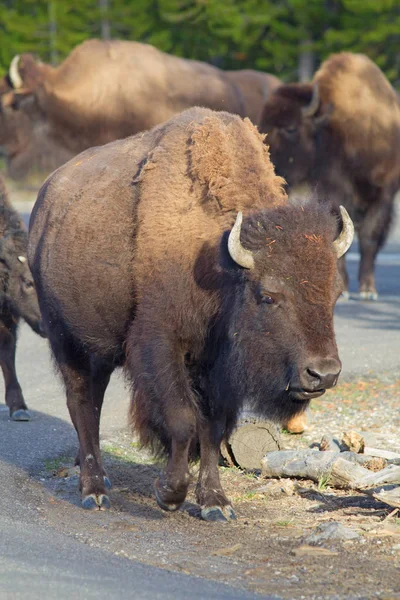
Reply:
x=341, y=134
x=105, y=91
x=17, y=299
x=141, y=259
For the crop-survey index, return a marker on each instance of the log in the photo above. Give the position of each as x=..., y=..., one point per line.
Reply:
x=337, y=471
x=250, y=442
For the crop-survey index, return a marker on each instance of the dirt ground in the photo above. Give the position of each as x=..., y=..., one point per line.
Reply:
x=266, y=549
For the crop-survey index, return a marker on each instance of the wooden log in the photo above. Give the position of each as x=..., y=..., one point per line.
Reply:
x=250, y=442
x=337, y=471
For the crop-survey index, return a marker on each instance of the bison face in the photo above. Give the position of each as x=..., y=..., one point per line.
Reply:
x=17, y=113
x=17, y=288
x=293, y=118
x=281, y=340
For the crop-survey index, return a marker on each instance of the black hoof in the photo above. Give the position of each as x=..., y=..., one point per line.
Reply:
x=107, y=483
x=221, y=514
x=96, y=502
x=21, y=415
x=163, y=505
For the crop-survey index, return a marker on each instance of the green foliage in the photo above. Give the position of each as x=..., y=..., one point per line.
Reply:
x=263, y=34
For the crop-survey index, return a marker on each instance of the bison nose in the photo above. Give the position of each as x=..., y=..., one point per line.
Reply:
x=321, y=374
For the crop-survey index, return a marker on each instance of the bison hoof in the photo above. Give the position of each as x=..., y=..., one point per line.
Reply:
x=21, y=415
x=369, y=295
x=96, y=502
x=221, y=514
x=107, y=483
x=169, y=507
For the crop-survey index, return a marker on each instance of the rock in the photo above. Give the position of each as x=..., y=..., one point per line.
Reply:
x=353, y=441
x=330, y=531
x=328, y=443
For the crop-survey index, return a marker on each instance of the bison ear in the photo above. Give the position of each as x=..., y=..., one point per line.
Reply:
x=210, y=160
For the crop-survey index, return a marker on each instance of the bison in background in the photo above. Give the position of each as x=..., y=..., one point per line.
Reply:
x=17, y=299
x=105, y=91
x=341, y=134
x=141, y=259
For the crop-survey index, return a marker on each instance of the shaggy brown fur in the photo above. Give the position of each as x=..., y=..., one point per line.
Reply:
x=349, y=149
x=128, y=248
x=17, y=299
x=108, y=90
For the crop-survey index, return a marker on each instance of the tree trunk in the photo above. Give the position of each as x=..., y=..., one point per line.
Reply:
x=51, y=8
x=105, y=23
x=306, y=65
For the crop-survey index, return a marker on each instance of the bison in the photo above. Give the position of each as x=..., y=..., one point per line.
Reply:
x=104, y=91
x=175, y=254
x=17, y=299
x=341, y=134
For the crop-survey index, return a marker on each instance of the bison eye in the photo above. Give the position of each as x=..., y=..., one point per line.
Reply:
x=28, y=285
x=267, y=299
x=290, y=129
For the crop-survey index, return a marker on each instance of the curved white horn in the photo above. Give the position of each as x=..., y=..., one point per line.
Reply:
x=22, y=259
x=240, y=255
x=311, y=109
x=13, y=73
x=343, y=241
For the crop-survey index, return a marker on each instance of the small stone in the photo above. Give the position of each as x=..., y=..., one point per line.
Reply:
x=328, y=443
x=353, y=441
x=331, y=531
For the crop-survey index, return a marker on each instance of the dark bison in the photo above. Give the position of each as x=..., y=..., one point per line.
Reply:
x=17, y=299
x=341, y=134
x=105, y=91
x=141, y=259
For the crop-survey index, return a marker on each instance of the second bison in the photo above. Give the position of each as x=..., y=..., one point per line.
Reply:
x=141, y=258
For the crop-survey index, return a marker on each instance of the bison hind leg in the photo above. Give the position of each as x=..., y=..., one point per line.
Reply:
x=85, y=378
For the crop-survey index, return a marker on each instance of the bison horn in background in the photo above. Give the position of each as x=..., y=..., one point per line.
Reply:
x=311, y=109
x=343, y=242
x=240, y=255
x=13, y=73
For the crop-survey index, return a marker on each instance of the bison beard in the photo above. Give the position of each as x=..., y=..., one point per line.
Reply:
x=136, y=263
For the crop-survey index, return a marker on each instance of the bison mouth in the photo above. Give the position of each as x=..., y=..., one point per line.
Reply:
x=301, y=395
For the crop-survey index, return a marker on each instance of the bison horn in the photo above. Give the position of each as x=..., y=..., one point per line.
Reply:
x=240, y=255
x=343, y=242
x=311, y=109
x=14, y=75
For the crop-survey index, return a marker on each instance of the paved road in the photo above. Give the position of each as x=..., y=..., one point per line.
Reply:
x=35, y=557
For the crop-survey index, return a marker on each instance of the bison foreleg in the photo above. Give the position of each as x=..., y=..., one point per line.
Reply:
x=171, y=487
x=14, y=397
x=215, y=506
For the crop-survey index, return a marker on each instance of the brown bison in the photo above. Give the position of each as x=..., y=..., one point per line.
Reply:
x=341, y=134
x=17, y=299
x=141, y=260
x=105, y=91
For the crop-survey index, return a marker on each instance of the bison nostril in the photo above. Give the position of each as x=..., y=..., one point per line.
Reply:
x=314, y=374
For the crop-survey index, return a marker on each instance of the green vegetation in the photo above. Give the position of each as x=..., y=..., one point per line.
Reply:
x=286, y=37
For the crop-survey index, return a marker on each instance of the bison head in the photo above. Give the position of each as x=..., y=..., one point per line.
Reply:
x=281, y=332
x=293, y=119
x=18, y=294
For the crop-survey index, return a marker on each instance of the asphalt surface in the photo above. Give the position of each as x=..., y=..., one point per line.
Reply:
x=38, y=561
